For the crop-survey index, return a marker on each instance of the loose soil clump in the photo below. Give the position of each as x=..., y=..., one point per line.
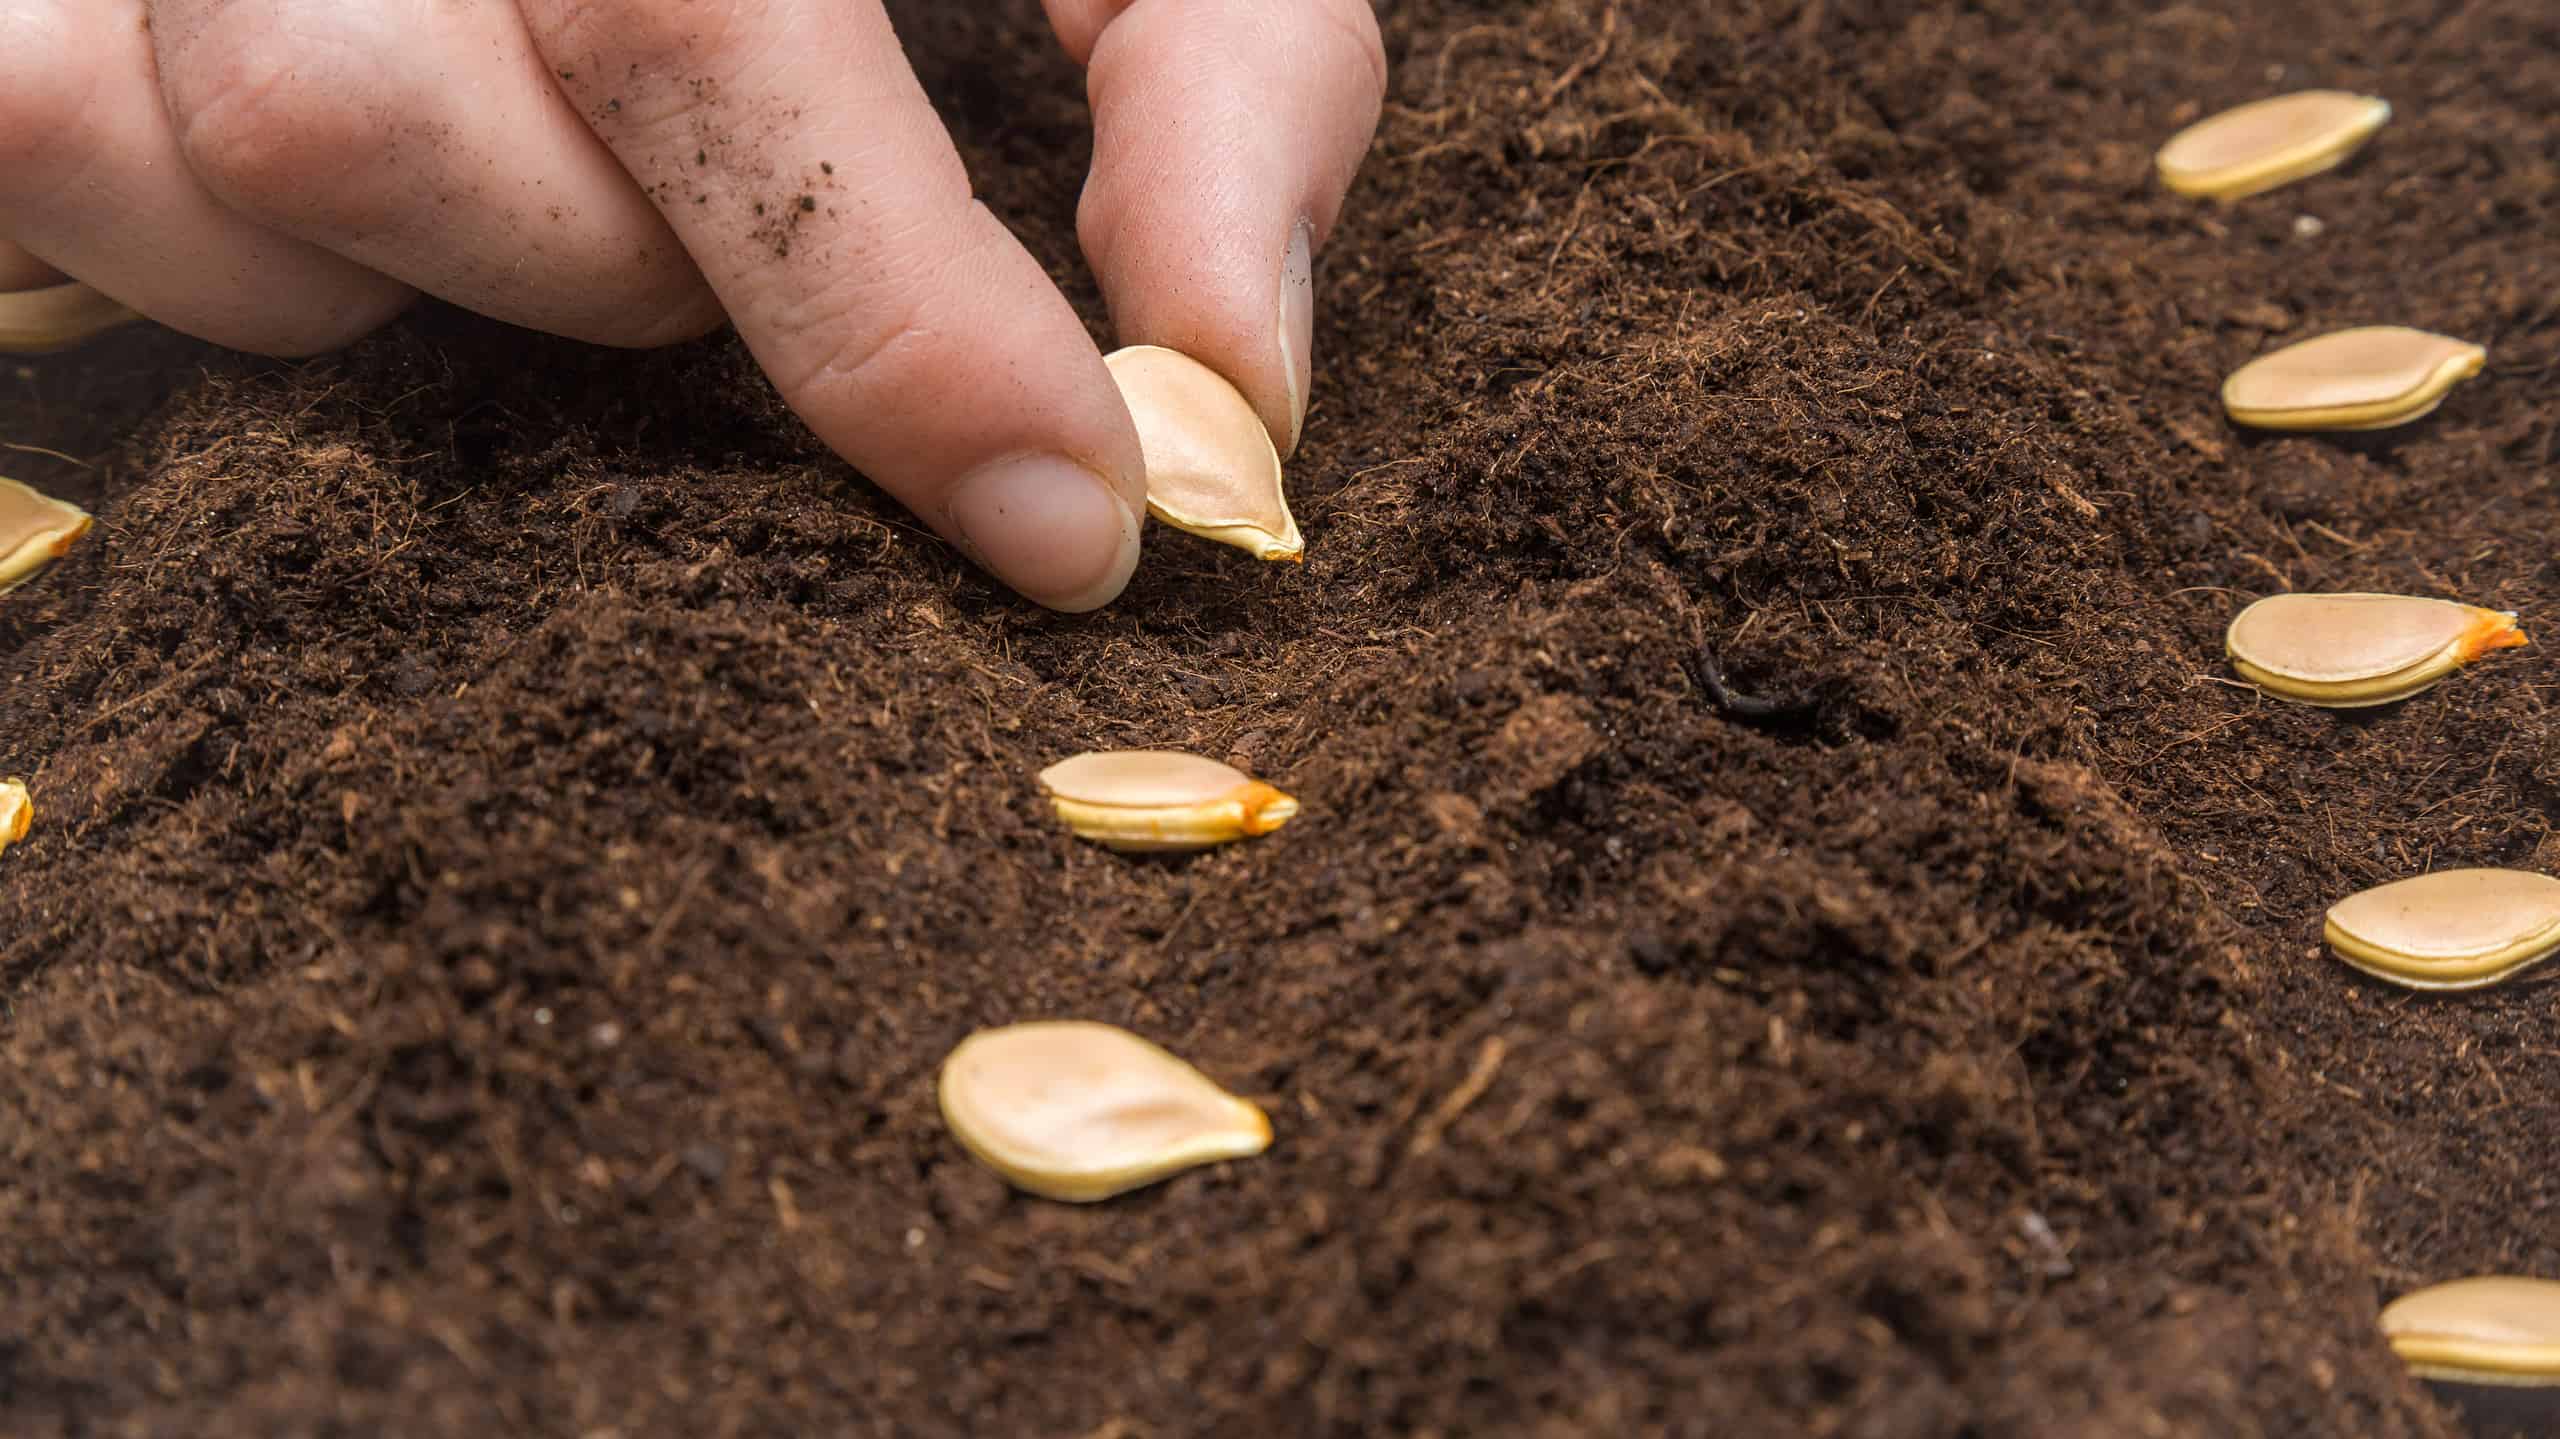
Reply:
x=519, y=826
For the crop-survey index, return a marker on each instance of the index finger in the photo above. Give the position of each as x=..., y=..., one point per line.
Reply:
x=799, y=162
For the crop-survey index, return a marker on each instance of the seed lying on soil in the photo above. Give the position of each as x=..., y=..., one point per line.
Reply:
x=2349, y=651
x=1211, y=468
x=1161, y=800
x=35, y=322
x=2370, y=378
x=17, y=812
x=35, y=530
x=2492, y=1342
x=2453, y=929
x=1081, y=1111
x=2268, y=143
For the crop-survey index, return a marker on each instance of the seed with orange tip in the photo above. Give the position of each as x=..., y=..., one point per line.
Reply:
x=1161, y=800
x=2372, y=377
x=35, y=530
x=1211, y=467
x=2269, y=142
x=2349, y=651
x=1081, y=1111
x=17, y=812
x=2452, y=929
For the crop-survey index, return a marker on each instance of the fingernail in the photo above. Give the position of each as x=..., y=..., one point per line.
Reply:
x=1298, y=325
x=1049, y=527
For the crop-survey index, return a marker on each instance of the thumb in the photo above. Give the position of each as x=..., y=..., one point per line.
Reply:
x=1225, y=133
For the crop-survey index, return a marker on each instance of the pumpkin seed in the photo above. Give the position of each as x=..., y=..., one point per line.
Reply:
x=2351, y=650
x=1211, y=467
x=35, y=530
x=2268, y=143
x=2453, y=929
x=35, y=322
x=1161, y=800
x=2490, y=1345
x=2370, y=378
x=1080, y=1111
x=17, y=812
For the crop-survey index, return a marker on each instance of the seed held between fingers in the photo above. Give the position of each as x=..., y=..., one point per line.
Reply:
x=2267, y=143
x=1211, y=466
x=37, y=322
x=2348, y=651
x=1161, y=800
x=1079, y=1111
x=2370, y=378
x=2453, y=929
x=35, y=530
x=17, y=812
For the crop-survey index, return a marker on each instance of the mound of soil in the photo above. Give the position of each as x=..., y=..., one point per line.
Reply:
x=520, y=825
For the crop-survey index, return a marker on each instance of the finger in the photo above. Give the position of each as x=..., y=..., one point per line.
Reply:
x=22, y=271
x=92, y=183
x=424, y=139
x=1225, y=134
x=801, y=164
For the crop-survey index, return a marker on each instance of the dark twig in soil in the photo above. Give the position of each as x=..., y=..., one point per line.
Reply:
x=1744, y=706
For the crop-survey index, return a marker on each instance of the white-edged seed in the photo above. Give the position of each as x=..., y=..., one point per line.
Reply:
x=2494, y=1329
x=2268, y=143
x=2348, y=651
x=1081, y=1111
x=36, y=322
x=17, y=812
x=35, y=530
x=2453, y=929
x=1211, y=467
x=1141, y=799
x=2370, y=378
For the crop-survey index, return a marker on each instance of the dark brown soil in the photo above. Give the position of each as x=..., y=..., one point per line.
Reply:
x=520, y=825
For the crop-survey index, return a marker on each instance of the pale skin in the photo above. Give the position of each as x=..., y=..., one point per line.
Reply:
x=285, y=176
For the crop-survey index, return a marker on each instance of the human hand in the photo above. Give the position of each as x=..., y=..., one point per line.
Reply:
x=284, y=175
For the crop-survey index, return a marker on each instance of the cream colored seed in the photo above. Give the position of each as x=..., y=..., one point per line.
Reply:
x=1161, y=800
x=1081, y=1111
x=1211, y=467
x=2268, y=143
x=2453, y=929
x=35, y=530
x=2371, y=378
x=2353, y=650
x=17, y=812
x=2496, y=1329
x=35, y=322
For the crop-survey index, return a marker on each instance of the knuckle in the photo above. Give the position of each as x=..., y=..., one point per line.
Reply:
x=1098, y=212
x=1080, y=23
x=669, y=321
x=295, y=334
x=595, y=46
x=874, y=348
x=270, y=112
x=1357, y=24
x=48, y=80
x=1120, y=232
x=889, y=334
